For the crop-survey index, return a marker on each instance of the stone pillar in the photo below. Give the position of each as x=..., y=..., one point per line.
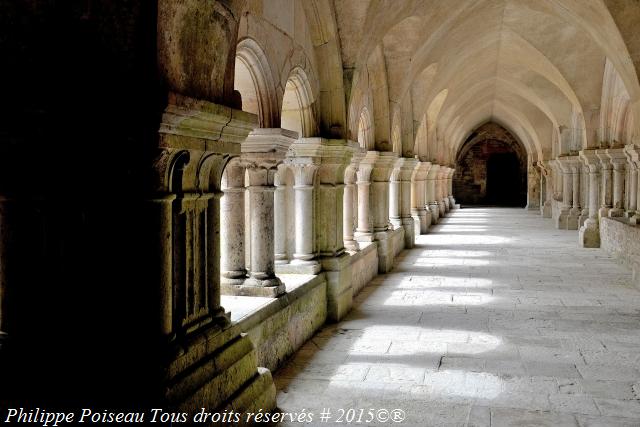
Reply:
x=364, y=229
x=606, y=196
x=280, y=216
x=319, y=167
x=533, y=187
x=394, y=197
x=304, y=254
x=573, y=220
x=232, y=228
x=633, y=156
x=403, y=171
x=618, y=161
x=546, y=176
x=589, y=234
x=442, y=199
x=418, y=200
x=584, y=193
x=350, y=190
x=432, y=201
x=563, y=164
x=196, y=139
x=380, y=203
x=452, y=200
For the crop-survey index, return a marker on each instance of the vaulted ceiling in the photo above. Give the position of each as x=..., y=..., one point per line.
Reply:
x=431, y=71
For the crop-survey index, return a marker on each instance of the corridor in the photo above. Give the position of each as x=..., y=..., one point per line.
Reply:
x=495, y=318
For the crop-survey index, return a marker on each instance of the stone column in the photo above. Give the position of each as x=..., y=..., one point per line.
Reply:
x=304, y=175
x=350, y=189
x=380, y=203
x=364, y=229
x=232, y=228
x=403, y=171
x=262, y=279
x=573, y=220
x=418, y=199
x=432, y=201
x=442, y=199
x=280, y=216
x=589, y=234
x=584, y=193
x=564, y=167
x=452, y=200
x=394, y=197
x=618, y=161
x=606, y=183
x=533, y=187
x=546, y=176
x=633, y=156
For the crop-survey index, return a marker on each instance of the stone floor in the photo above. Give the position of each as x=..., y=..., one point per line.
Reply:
x=494, y=319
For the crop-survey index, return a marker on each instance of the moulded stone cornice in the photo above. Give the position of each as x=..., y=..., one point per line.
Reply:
x=433, y=171
x=383, y=166
x=590, y=158
x=617, y=157
x=332, y=156
x=421, y=171
x=193, y=124
x=268, y=143
x=403, y=168
x=632, y=153
x=605, y=162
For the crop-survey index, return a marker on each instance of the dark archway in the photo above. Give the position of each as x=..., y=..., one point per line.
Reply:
x=491, y=169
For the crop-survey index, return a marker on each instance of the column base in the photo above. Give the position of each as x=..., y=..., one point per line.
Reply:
x=584, y=215
x=616, y=212
x=629, y=214
x=299, y=266
x=561, y=221
x=363, y=236
x=409, y=232
x=635, y=219
x=339, y=291
x=422, y=217
x=225, y=376
x=589, y=234
x=452, y=202
x=232, y=281
x=603, y=212
x=443, y=208
x=546, y=210
x=352, y=245
x=573, y=221
x=385, y=251
x=435, y=212
x=253, y=287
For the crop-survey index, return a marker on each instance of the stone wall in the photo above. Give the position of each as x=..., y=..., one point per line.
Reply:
x=364, y=266
x=280, y=328
x=623, y=241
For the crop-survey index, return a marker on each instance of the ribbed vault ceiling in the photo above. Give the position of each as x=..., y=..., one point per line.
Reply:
x=533, y=66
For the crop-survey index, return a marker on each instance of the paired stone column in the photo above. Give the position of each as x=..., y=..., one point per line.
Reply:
x=432, y=201
x=633, y=157
x=403, y=171
x=418, y=197
x=442, y=198
x=547, y=189
x=573, y=220
x=350, y=204
x=452, y=200
x=564, y=167
x=584, y=193
x=618, y=161
x=606, y=196
x=364, y=229
x=380, y=175
x=589, y=234
x=319, y=166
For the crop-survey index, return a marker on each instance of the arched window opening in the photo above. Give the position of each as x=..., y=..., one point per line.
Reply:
x=297, y=102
